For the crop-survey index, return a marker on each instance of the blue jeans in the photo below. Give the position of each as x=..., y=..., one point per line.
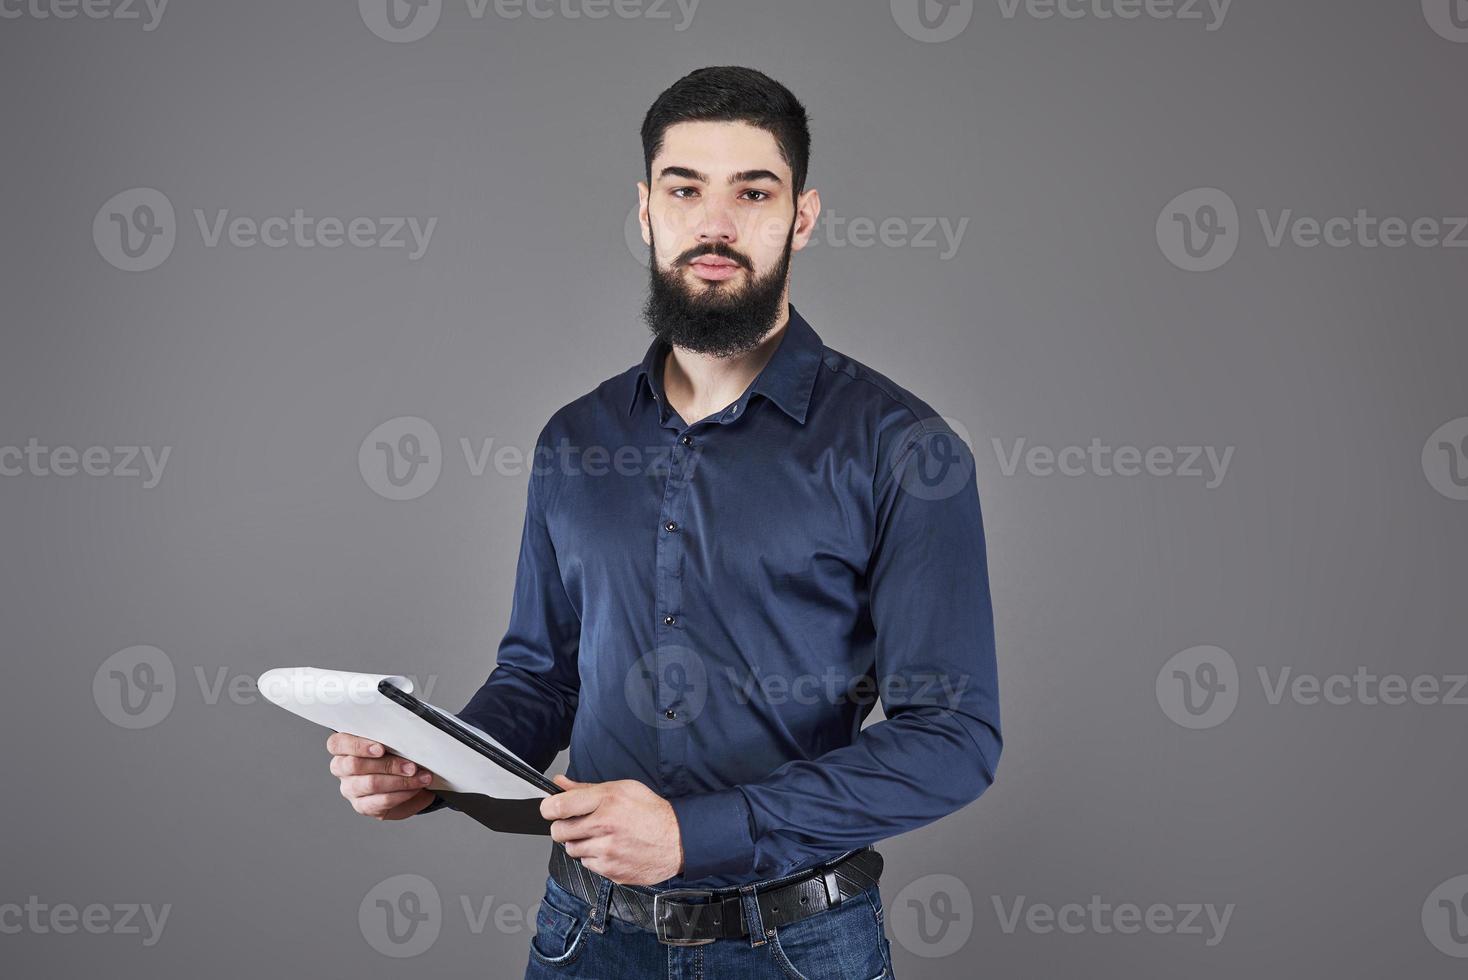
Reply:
x=847, y=942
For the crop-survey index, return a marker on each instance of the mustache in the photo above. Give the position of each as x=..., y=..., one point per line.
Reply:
x=714, y=248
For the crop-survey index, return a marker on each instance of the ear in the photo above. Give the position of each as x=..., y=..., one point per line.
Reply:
x=643, y=196
x=807, y=210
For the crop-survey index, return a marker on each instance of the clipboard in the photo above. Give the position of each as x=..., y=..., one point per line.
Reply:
x=472, y=772
x=506, y=816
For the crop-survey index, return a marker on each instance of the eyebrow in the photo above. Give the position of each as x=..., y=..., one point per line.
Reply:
x=742, y=177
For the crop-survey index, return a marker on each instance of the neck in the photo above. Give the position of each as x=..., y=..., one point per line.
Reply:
x=698, y=385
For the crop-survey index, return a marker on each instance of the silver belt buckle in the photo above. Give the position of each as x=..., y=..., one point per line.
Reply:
x=658, y=918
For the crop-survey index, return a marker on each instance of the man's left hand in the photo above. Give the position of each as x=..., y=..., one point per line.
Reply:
x=621, y=830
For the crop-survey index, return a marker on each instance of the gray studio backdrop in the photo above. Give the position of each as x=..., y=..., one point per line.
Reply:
x=1190, y=275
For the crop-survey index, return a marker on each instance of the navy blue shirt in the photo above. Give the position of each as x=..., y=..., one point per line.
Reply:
x=712, y=608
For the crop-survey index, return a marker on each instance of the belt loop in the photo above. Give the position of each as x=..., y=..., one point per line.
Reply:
x=602, y=904
x=752, y=918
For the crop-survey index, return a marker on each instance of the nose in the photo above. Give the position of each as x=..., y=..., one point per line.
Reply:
x=716, y=224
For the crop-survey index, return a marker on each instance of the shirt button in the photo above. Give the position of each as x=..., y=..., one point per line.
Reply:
x=670, y=526
x=686, y=440
x=670, y=713
x=669, y=620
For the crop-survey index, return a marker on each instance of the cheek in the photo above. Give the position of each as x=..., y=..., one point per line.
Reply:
x=764, y=241
x=673, y=230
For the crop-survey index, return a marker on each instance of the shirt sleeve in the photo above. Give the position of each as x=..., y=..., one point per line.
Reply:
x=938, y=746
x=528, y=702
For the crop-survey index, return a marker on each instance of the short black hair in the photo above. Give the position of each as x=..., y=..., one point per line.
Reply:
x=729, y=93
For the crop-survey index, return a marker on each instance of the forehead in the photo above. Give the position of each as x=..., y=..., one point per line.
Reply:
x=718, y=148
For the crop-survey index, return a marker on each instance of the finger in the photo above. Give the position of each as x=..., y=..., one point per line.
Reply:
x=575, y=828
x=355, y=765
x=380, y=803
x=410, y=806
x=571, y=803
x=342, y=743
x=375, y=783
x=607, y=868
x=590, y=847
x=566, y=782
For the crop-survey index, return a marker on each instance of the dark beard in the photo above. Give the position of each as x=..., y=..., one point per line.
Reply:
x=720, y=319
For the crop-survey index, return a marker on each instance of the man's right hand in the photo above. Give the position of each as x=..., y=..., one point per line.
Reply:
x=376, y=782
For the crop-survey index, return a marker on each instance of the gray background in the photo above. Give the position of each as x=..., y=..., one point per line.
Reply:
x=1059, y=320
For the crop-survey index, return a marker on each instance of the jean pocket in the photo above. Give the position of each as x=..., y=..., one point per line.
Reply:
x=844, y=943
x=560, y=928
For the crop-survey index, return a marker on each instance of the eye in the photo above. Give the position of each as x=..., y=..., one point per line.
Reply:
x=763, y=195
x=684, y=193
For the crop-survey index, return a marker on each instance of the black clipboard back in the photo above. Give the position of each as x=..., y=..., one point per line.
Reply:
x=504, y=816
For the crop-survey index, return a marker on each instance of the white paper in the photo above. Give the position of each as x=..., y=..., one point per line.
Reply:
x=345, y=701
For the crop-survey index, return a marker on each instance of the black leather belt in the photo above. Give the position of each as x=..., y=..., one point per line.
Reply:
x=692, y=916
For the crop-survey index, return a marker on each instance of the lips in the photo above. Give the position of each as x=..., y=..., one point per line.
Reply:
x=713, y=267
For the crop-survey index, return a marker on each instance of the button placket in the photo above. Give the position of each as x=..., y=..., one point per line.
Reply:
x=668, y=602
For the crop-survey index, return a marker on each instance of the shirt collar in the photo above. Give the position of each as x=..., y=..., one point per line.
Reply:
x=787, y=379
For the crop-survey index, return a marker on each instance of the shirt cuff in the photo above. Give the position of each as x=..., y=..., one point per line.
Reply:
x=716, y=832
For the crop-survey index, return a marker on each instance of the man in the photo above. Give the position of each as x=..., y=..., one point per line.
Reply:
x=728, y=551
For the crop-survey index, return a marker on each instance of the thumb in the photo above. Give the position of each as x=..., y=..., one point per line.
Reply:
x=566, y=782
